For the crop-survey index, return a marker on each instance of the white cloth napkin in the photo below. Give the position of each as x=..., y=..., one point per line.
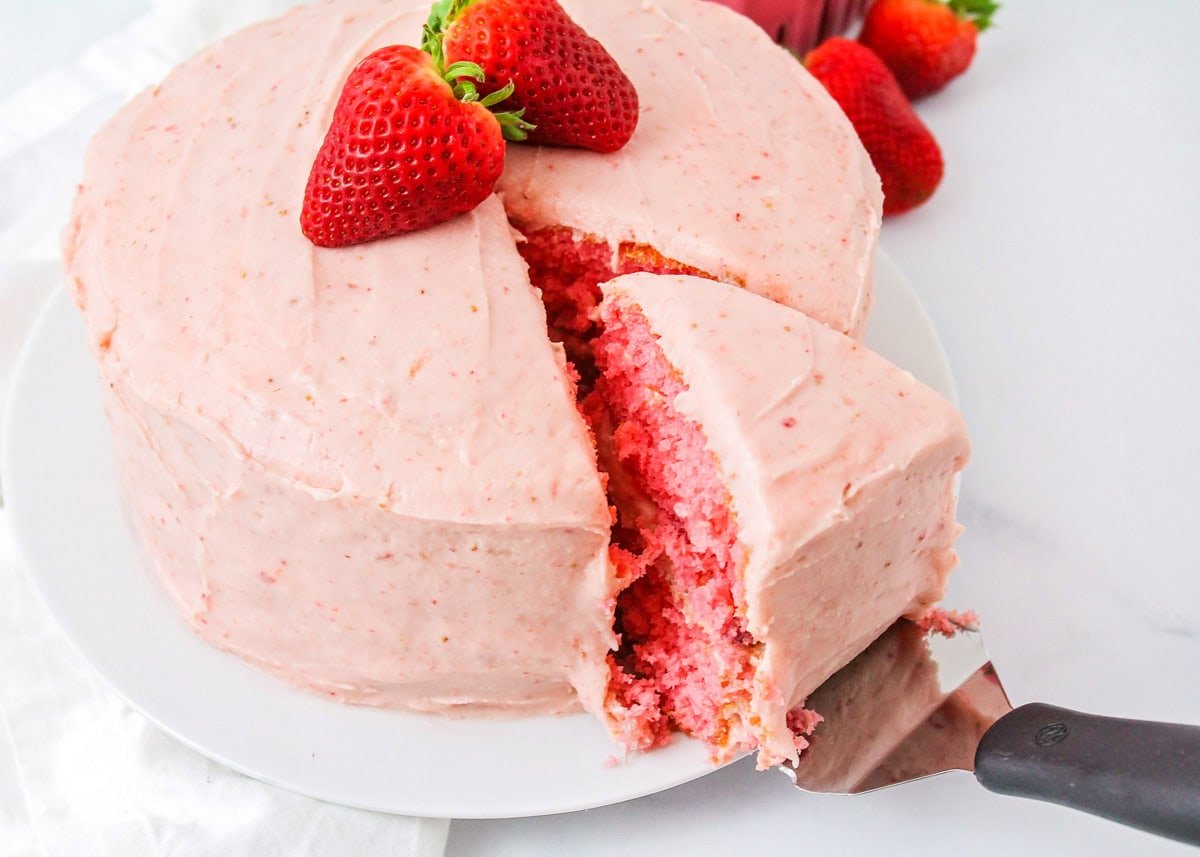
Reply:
x=81, y=773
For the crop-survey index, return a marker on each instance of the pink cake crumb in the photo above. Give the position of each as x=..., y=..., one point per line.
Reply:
x=568, y=268
x=802, y=722
x=948, y=622
x=610, y=762
x=686, y=660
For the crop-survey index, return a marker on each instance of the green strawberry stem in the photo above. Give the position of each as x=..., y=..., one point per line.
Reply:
x=499, y=95
x=979, y=11
x=442, y=12
x=512, y=126
x=463, y=76
x=433, y=33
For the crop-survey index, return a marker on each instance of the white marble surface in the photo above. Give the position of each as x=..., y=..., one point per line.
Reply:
x=1057, y=261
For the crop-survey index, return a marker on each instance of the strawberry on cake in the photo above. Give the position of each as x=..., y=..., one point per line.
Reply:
x=335, y=270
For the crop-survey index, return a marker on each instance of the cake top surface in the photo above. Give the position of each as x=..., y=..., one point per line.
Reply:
x=800, y=416
x=414, y=371
x=741, y=165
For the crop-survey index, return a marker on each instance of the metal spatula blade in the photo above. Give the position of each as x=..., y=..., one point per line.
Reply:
x=919, y=703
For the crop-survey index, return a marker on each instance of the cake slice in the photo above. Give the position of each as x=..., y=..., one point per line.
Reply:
x=784, y=495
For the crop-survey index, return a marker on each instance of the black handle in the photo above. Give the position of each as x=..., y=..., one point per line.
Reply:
x=1142, y=774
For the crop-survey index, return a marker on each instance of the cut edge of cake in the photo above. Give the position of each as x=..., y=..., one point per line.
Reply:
x=715, y=562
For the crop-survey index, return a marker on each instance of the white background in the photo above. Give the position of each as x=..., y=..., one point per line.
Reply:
x=1059, y=262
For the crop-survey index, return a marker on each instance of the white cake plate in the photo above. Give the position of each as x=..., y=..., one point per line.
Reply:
x=64, y=509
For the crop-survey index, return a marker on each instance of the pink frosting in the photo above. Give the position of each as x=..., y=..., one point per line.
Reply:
x=841, y=469
x=742, y=165
x=362, y=468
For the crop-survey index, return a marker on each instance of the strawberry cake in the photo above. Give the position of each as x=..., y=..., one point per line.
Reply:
x=786, y=495
x=452, y=470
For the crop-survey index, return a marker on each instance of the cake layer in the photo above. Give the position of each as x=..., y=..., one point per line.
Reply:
x=840, y=471
x=682, y=642
x=362, y=468
x=352, y=600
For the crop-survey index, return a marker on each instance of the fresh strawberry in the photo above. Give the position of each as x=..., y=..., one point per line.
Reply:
x=926, y=43
x=410, y=145
x=905, y=154
x=569, y=86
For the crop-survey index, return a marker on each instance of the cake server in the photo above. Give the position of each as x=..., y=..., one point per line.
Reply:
x=919, y=703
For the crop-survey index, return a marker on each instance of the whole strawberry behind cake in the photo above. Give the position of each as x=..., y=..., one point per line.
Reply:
x=359, y=462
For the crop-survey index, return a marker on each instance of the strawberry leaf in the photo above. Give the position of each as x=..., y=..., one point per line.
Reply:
x=463, y=76
x=979, y=12
x=499, y=95
x=441, y=15
x=513, y=126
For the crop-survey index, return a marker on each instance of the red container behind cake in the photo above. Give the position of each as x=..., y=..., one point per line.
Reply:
x=801, y=24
